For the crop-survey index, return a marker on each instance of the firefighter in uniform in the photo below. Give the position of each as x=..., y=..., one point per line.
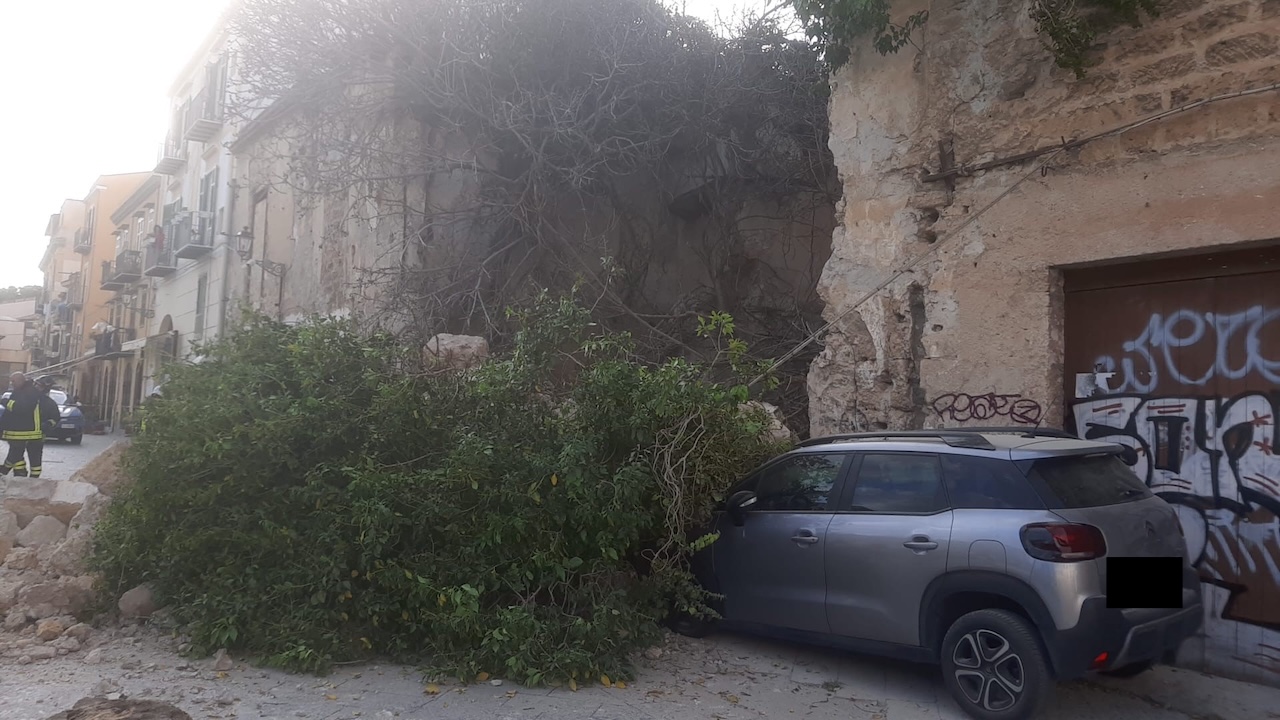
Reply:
x=28, y=413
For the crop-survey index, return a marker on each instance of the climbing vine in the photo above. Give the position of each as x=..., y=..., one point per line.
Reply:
x=1069, y=27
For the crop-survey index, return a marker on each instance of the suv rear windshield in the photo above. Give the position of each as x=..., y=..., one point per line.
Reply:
x=1085, y=481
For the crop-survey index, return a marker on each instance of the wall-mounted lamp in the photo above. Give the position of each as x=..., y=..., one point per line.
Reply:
x=244, y=243
x=271, y=267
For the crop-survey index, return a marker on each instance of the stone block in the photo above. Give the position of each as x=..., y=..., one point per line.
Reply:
x=1215, y=21
x=1243, y=48
x=27, y=498
x=1150, y=43
x=460, y=352
x=68, y=497
x=42, y=530
x=1166, y=69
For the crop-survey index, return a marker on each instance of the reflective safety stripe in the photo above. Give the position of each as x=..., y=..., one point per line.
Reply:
x=20, y=465
x=23, y=435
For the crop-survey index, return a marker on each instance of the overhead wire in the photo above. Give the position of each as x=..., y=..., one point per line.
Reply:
x=1044, y=155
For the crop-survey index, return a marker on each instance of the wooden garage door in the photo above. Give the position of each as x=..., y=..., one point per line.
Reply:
x=1180, y=359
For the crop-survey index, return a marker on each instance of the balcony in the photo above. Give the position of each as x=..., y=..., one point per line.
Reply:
x=83, y=241
x=108, y=345
x=173, y=156
x=109, y=281
x=192, y=235
x=128, y=267
x=203, y=117
x=75, y=290
x=159, y=261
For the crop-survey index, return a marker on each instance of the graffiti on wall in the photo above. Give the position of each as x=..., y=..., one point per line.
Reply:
x=1215, y=457
x=1215, y=460
x=1154, y=354
x=963, y=407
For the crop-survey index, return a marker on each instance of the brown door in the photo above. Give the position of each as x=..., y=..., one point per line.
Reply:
x=1180, y=359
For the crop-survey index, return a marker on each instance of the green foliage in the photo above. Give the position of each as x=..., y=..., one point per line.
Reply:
x=305, y=496
x=1070, y=27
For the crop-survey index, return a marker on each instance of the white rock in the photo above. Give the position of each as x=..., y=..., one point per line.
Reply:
x=79, y=631
x=68, y=497
x=105, y=686
x=42, y=652
x=94, y=656
x=22, y=559
x=67, y=595
x=42, y=530
x=460, y=352
x=222, y=662
x=137, y=603
x=28, y=498
x=777, y=430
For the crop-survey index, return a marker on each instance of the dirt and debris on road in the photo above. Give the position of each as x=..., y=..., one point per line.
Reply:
x=726, y=677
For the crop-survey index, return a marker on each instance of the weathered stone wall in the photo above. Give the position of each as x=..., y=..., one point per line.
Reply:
x=980, y=313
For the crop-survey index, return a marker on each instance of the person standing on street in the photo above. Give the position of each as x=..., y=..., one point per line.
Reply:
x=28, y=413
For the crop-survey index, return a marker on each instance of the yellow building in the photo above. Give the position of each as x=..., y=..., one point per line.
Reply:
x=96, y=243
x=60, y=265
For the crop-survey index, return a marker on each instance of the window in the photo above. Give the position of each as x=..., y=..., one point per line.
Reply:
x=987, y=483
x=202, y=297
x=1086, y=481
x=799, y=484
x=899, y=483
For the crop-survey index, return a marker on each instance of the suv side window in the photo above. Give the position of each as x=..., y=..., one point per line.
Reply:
x=895, y=483
x=799, y=484
x=987, y=483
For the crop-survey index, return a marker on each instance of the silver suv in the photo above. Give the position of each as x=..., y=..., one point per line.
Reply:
x=984, y=551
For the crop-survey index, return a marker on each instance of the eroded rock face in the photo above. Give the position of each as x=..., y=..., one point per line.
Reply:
x=460, y=352
x=123, y=709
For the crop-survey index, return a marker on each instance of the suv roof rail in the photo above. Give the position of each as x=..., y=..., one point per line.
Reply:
x=953, y=438
x=1015, y=430
x=970, y=437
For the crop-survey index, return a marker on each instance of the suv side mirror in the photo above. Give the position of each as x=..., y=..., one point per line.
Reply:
x=738, y=504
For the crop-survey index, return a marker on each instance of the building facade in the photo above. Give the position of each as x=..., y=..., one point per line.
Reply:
x=1021, y=247
x=59, y=265
x=189, y=256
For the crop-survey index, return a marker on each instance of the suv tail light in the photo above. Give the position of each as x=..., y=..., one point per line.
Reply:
x=1063, y=542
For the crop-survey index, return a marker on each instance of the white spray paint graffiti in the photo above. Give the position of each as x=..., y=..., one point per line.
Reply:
x=1215, y=459
x=1185, y=328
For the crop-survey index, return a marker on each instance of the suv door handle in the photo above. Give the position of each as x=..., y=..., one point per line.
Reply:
x=920, y=543
x=804, y=537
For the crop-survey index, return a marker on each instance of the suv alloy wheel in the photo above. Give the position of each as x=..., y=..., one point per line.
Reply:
x=994, y=666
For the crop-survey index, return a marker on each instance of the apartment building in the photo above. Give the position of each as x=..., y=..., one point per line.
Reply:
x=59, y=299
x=118, y=348
x=90, y=317
x=189, y=255
x=18, y=330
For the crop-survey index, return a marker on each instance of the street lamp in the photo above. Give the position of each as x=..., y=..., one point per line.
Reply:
x=244, y=243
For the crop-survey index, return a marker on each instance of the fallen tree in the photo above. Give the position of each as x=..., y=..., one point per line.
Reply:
x=308, y=494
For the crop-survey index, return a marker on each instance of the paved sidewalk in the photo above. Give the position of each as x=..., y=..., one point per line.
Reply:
x=723, y=678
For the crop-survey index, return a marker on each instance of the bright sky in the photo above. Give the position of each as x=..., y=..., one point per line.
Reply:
x=87, y=84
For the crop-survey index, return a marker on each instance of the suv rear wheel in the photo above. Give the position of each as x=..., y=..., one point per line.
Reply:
x=994, y=666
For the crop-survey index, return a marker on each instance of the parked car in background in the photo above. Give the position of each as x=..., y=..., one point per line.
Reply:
x=982, y=552
x=70, y=425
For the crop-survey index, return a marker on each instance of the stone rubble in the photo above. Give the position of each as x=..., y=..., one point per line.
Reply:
x=46, y=591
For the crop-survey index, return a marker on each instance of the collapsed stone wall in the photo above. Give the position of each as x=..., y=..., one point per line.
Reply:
x=46, y=591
